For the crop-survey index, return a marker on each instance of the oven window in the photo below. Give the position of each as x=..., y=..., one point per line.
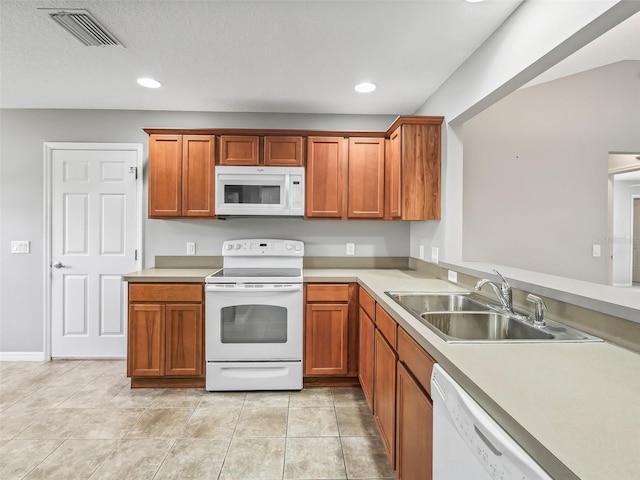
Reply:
x=252, y=194
x=253, y=324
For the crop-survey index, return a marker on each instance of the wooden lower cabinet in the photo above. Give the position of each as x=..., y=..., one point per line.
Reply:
x=331, y=334
x=414, y=425
x=384, y=393
x=326, y=337
x=365, y=354
x=166, y=335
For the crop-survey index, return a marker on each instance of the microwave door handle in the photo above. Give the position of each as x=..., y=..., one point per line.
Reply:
x=287, y=190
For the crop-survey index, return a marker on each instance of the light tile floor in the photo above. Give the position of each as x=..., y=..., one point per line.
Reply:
x=80, y=420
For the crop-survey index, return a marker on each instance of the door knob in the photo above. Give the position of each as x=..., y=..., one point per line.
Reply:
x=57, y=265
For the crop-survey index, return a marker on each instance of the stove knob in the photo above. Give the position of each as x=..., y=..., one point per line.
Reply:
x=237, y=246
x=228, y=246
x=289, y=246
x=297, y=248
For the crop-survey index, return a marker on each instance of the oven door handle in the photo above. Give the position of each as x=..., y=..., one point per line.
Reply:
x=252, y=288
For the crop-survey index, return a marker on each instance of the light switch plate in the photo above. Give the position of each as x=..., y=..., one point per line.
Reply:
x=434, y=254
x=421, y=252
x=191, y=248
x=20, y=246
x=596, y=250
x=452, y=276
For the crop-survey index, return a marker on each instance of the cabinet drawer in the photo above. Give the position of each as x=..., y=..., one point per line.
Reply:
x=386, y=325
x=165, y=292
x=367, y=303
x=416, y=359
x=328, y=292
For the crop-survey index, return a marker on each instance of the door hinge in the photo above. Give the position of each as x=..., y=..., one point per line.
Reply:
x=135, y=254
x=134, y=170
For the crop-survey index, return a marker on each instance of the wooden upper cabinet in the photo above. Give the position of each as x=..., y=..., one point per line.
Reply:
x=283, y=151
x=393, y=178
x=366, y=178
x=326, y=174
x=198, y=181
x=239, y=150
x=181, y=176
x=417, y=145
x=165, y=176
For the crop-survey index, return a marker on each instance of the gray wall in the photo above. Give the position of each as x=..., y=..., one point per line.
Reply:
x=535, y=172
x=22, y=134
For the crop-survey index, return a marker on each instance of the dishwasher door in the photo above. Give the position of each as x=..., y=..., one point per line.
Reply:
x=468, y=443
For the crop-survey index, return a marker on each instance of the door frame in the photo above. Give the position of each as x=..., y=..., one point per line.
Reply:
x=49, y=148
x=634, y=196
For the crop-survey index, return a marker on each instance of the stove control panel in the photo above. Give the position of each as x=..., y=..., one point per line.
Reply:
x=263, y=247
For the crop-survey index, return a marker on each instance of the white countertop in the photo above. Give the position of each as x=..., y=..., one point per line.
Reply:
x=575, y=407
x=570, y=405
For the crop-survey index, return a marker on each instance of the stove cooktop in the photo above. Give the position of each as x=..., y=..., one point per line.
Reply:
x=256, y=275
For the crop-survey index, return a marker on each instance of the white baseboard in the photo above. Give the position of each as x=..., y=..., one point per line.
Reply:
x=22, y=357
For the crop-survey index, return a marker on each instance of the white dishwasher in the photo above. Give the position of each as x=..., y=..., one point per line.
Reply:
x=468, y=443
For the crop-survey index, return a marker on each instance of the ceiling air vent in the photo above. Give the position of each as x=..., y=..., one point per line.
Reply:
x=85, y=28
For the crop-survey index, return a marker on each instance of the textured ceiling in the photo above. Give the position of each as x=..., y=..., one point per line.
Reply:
x=242, y=56
x=260, y=56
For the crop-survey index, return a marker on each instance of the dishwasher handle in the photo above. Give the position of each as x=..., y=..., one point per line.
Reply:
x=487, y=442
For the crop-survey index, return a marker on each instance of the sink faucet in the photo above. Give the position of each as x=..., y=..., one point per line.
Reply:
x=503, y=292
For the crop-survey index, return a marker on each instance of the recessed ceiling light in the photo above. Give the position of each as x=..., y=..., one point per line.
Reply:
x=149, y=83
x=474, y=1
x=365, y=87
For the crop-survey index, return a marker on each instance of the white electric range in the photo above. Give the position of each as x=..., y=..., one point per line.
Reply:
x=254, y=316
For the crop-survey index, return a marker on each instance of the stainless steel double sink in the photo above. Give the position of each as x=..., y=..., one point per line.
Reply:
x=466, y=317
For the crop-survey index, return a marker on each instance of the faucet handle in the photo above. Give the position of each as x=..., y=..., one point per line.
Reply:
x=539, y=309
x=504, y=280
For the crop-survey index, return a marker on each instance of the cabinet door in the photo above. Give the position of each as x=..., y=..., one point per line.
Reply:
x=283, y=151
x=145, y=356
x=184, y=340
x=365, y=363
x=384, y=393
x=326, y=177
x=393, y=177
x=239, y=150
x=198, y=158
x=326, y=337
x=165, y=176
x=415, y=429
x=420, y=172
x=366, y=178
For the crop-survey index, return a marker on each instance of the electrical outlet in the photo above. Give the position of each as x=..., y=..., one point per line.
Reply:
x=434, y=254
x=191, y=248
x=452, y=276
x=351, y=248
x=20, y=246
x=421, y=252
x=596, y=250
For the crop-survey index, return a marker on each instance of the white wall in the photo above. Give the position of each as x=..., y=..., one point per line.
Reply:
x=535, y=172
x=22, y=134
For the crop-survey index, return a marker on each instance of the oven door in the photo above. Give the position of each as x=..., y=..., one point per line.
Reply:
x=253, y=322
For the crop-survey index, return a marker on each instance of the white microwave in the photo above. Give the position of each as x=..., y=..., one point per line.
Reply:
x=277, y=191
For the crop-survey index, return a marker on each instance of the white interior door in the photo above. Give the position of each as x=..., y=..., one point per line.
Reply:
x=635, y=266
x=94, y=228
